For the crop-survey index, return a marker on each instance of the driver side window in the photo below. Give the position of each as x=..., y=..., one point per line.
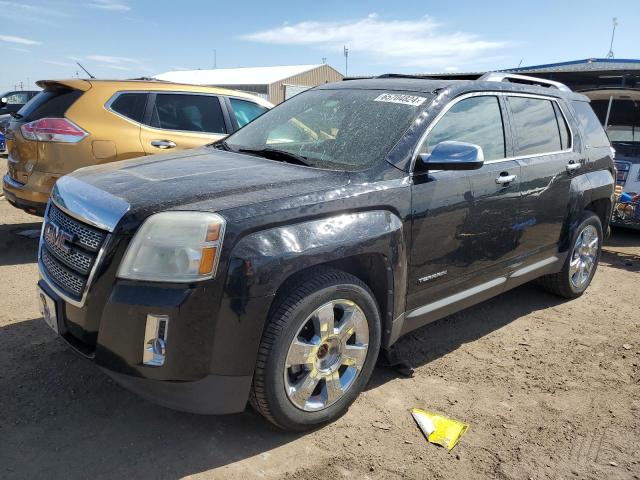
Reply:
x=476, y=120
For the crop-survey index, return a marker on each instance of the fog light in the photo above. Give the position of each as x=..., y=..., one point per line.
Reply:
x=155, y=340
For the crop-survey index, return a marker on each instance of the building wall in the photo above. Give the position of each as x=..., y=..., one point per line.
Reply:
x=318, y=76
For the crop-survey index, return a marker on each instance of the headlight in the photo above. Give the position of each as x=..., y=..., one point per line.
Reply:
x=175, y=247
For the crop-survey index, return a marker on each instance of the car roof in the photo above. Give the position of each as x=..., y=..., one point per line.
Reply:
x=150, y=85
x=432, y=86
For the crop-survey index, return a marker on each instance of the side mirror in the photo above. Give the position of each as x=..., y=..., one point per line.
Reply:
x=3, y=101
x=451, y=155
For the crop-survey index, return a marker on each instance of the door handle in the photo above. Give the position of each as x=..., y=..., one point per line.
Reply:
x=573, y=166
x=163, y=144
x=502, y=179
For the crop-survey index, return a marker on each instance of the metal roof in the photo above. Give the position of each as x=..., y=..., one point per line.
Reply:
x=236, y=76
x=586, y=65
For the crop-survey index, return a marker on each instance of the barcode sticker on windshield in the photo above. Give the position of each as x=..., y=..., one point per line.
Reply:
x=400, y=98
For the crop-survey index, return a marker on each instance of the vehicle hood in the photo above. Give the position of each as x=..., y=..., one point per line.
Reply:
x=213, y=179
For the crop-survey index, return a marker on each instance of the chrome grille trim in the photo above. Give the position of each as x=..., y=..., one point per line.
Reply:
x=71, y=296
x=87, y=237
x=88, y=204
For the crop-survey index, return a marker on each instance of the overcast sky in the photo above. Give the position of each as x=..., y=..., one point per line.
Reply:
x=129, y=38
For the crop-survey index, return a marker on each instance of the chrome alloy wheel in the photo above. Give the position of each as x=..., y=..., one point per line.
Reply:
x=326, y=355
x=583, y=257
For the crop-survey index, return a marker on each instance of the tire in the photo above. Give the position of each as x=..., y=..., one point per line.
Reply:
x=565, y=283
x=300, y=396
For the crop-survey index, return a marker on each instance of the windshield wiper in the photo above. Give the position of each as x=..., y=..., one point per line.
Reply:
x=275, y=154
x=15, y=115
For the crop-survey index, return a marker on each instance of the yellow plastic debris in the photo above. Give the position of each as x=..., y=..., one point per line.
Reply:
x=439, y=429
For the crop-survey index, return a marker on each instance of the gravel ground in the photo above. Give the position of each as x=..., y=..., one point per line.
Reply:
x=549, y=387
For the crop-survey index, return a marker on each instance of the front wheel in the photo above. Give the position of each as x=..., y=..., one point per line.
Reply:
x=582, y=262
x=318, y=350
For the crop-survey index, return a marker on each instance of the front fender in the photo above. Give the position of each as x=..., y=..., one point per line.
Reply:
x=262, y=261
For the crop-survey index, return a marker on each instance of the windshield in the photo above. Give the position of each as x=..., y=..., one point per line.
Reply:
x=336, y=129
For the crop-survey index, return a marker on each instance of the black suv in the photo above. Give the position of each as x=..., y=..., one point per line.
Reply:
x=272, y=267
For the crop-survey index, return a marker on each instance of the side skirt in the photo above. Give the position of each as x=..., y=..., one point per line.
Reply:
x=431, y=312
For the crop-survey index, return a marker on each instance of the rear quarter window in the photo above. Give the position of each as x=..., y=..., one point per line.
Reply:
x=592, y=129
x=130, y=105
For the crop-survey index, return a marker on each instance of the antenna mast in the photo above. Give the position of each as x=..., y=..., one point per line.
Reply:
x=85, y=70
x=613, y=34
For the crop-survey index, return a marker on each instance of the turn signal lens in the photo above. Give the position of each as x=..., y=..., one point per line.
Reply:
x=207, y=260
x=53, y=130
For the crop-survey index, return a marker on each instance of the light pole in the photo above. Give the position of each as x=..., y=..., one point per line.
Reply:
x=346, y=61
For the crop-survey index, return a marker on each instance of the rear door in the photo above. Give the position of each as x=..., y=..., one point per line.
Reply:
x=130, y=107
x=544, y=149
x=179, y=120
x=462, y=221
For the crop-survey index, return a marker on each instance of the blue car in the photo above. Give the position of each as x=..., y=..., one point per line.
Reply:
x=3, y=145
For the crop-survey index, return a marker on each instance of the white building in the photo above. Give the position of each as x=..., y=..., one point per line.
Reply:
x=275, y=84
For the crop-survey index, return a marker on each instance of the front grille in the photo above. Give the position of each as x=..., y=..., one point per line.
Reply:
x=68, y=263
x=63, y=277
x=86, y=236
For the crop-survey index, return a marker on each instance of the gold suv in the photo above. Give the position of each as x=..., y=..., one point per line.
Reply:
x=77, y=123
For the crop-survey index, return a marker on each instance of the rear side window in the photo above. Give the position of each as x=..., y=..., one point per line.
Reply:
x=49, y=104
x=593, y=131
x=190, y=113
x=536, y=125
x=130, y=105
x=245, y=111
x=476, y=120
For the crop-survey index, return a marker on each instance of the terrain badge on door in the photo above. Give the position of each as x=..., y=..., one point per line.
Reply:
x=428, y=278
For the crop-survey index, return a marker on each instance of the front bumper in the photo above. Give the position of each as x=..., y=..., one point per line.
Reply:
x=210, y=357
x=211, y=395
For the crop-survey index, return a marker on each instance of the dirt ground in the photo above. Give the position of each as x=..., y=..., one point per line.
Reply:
x=551, y=389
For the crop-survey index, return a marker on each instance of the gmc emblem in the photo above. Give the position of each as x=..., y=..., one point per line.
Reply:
x=57, y=237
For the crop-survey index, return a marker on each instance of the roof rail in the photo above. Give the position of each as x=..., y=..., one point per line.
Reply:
x=501, y=77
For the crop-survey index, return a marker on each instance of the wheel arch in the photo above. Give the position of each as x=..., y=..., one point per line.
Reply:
x=374, y=269
x=592, y=191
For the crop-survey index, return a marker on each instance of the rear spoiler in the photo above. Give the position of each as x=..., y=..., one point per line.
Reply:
x=75, y=83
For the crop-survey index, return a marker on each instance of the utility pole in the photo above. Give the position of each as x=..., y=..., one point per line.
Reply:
x=346, y=61
x=215, y=58
x=613, y=34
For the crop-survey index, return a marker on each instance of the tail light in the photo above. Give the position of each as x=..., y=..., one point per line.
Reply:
x=53, y=130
